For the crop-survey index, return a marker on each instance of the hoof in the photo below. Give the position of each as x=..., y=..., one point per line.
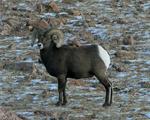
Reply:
x=58, y=103
x=64, y=103
x=106, y=104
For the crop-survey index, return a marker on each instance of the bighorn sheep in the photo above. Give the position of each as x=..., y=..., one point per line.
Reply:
x=65, y=61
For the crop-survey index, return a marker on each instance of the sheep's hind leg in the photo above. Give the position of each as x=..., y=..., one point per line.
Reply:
x=109, y=91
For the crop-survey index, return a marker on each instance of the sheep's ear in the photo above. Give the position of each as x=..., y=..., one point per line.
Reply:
x=56, y=36
x=34, y=36
x=38, y=34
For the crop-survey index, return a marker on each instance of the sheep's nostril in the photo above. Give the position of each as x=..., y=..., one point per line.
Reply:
x=32, y=44
x=39, y=45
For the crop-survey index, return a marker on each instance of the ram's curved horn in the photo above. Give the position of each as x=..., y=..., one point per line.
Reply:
x=56, y=36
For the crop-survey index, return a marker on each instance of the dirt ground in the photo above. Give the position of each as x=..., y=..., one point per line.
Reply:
x=28, y=92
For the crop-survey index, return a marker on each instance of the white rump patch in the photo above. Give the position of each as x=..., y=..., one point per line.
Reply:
x=104, y=56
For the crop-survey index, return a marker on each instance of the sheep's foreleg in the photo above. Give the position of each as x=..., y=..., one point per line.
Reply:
x=62, y=95
x=60, y=99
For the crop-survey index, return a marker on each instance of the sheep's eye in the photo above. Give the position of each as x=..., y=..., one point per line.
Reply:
x=45, y=40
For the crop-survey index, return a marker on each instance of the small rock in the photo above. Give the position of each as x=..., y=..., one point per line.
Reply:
x=72, y=1
x=125, y=48
x=86, y=35
x=69, y=1
x=129, y=40
x=43, y=24
x=7, y=115
x=74, y=12
x=118, y=68
x=125, y=54
x=45, y=93
x=42, y=112
x=24, y=66
x=1, y=65
x=40, y=7
x=116, y=89
x=147, y=115
x=120, y=21
x=90, y=22
x=22, y=7
x=77, y=117
x=56, y=21
x=21, y=66
x=54, y=6
x=141, y=1
x=76, y=82
x=30, y=28
x=12, y=21
x=6, y=29
x=104, y=20
x=75, y=43
x=145, y=84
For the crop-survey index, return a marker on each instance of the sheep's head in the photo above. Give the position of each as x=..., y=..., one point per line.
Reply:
x=38, y=34
x=46, y=37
